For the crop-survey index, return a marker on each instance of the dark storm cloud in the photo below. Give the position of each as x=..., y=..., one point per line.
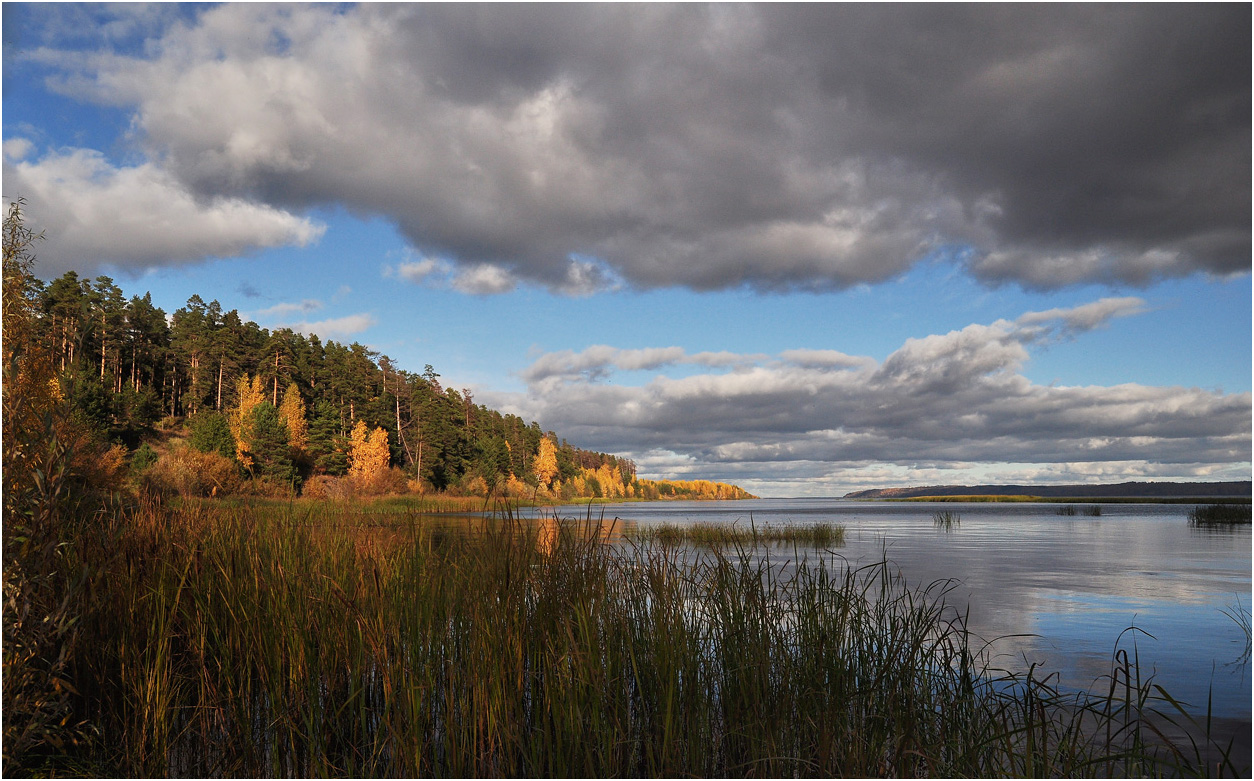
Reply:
x=775, y=146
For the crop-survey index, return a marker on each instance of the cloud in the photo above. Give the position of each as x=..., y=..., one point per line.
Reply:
x=955, y=401
x=713, y=147
x=599, y=361
x=484, y=279
x=418, y=271
x=17, y=148
x=140, y=216
x=284, y=309
x=583, y=278
x=335, y=327
x=1086, y=317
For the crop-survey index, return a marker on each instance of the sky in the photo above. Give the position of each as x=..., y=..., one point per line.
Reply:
x=808, y=249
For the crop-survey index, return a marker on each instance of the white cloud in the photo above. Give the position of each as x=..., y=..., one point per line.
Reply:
x=335, y=327
x=16, y=149
x=140, y=216
x=484, y=279
x=283, y=309
x=1086, y=317
x=957, y=403
x=417, y=271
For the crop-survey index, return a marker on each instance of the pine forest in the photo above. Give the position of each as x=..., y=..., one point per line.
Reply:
x=203, y=402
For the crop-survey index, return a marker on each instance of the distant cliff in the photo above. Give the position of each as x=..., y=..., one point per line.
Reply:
x=1110, y=491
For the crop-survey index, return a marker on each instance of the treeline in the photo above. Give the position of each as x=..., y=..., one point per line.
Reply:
x=132, y=372
x=131, y=369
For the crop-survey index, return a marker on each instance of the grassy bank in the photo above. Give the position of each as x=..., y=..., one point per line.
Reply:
x=212, y=640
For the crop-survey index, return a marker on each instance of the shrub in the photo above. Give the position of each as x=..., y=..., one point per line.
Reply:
x=187, y=471
x=326, y=487
x=142, y=459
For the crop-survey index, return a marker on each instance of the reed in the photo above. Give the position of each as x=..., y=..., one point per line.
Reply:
x=220, y=642
x=947, y=520
x=1219, y=514
x=718, y=536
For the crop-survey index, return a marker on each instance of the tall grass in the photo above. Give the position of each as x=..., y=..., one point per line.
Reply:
x=947, y=520
x=1219, y=514
x=221, y=642
x=722, y=536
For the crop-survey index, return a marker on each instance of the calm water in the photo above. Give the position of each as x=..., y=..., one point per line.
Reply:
x=1073, y=583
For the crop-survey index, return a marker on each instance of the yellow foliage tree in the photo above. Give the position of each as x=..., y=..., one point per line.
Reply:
x=545, y=466
x=250, y=393
x=368, y=455
x=292, y=413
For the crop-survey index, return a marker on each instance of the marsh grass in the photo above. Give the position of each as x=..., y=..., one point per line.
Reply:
x=947, y=520
x=722, y=536
x=218, y=642
x=1219, y=515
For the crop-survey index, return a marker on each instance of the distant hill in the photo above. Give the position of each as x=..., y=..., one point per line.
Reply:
x=1109, y=491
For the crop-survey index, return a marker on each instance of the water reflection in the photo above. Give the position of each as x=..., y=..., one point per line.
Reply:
x=1058, y=590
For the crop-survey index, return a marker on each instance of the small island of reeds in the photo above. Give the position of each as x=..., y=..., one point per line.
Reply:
x=1220, y=515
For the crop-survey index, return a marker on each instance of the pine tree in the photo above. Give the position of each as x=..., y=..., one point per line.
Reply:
x=211, y=433
x=268, y=443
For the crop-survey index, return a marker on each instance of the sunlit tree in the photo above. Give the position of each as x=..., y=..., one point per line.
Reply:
x=250, y=393
x=367, y=454
x=292, y=412
x=545, y=465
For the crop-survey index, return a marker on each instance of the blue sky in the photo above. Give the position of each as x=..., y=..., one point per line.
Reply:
x=708, y=238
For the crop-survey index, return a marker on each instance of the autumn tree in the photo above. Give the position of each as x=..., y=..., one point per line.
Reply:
x=368, y=455
x=250, y=393
x=545, y=465
x=292, y=411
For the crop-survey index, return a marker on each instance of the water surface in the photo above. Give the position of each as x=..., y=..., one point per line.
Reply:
x=1055, y=590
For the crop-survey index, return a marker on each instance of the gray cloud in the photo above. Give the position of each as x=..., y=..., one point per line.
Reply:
x=779, y=147
x=939, y=400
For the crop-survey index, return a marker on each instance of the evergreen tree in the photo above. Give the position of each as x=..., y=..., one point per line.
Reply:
x=327, y=449
x=211, y=433
x=268, y=445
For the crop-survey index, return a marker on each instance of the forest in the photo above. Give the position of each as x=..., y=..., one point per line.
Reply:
x=205, y=402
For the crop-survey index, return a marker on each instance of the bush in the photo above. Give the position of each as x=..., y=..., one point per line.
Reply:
x=326, y=487
x=142, y=459
x=269, y=487
x=187, y=471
